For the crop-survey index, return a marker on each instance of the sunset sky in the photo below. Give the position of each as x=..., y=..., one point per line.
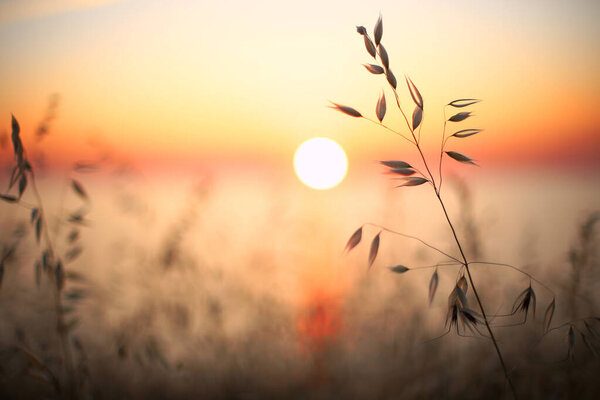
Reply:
x=162, y=81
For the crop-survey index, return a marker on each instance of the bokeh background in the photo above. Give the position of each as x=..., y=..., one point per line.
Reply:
x=207, y=269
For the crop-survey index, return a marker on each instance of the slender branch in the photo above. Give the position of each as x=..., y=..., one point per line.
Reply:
x=389, y=129
x=479, y=302
x=571, y=323
x=60, y=321
x=426, y=166
x=443, y=144
x=443, y=264
x=404, y=115
x=414, y=238
x=516, y=269
x=464, y=263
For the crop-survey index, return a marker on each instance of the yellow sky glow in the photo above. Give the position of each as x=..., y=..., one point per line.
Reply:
x=191, y=80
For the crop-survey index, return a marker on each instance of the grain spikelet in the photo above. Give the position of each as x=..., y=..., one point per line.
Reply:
x=354, y=239
x=381, y=107
x=374, y=249
x=346, y=110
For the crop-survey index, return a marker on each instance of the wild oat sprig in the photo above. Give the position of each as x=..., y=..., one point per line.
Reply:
x=459, y=316
x=50, y=263
x=458, y=312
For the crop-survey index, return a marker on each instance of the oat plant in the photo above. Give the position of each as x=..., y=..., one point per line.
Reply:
x=52, y=262
x=460, y=317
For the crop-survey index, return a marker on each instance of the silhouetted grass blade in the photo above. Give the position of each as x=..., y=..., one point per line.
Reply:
x=73, y=253
x=79, y=189
x=374, y=249
x=73, y=236
x=417, y=117
x=391, y=78
x=374, y=69
x=22, y=185
x=433, y=284
x=38, y=229
x=346, y=110
x=413, y=181
x=461, y=116
x=34, y=214
x=396, y=164
x=378, y=31
x=16, y=140
x=466, y=133
x=370, y=46
x=381, y=107
x=399, y=269
x=383, y=56
x=85, y=167
x=463, y=102
x=571, y=341
x=8, y=198
x=414, y=92
x=361, y=29
x=354, y=239
x=461, y=157
x=59, y=276
x=402, y=171
x=462, y=284
x=549, y=314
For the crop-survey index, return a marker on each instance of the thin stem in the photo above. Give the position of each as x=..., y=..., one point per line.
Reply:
x=26, y=205
x=415, y=141
x=414, y=238
x=516, y=269
x=404, y=115
x=570, y=323
x=479, y=302
x=60, y=322
x=464, y=263
x=442, y=152
x=443, y=264
x=426, y=166
x=389, y=129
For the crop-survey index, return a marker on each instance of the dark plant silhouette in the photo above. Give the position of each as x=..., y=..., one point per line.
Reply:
x=460, y=316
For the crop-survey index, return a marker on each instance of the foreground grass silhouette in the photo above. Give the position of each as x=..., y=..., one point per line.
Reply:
x=459, y=313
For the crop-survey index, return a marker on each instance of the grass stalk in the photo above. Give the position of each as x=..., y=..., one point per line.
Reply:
x=458, y=309
x=61, y=325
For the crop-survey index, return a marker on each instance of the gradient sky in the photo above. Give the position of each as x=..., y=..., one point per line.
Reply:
x=189, y=80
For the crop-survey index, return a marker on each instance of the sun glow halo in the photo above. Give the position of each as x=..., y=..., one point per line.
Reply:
x=320, y=163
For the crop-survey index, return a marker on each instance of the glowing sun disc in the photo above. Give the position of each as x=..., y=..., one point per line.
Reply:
x=320, y=163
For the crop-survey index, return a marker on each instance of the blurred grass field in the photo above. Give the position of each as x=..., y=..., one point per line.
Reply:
x=235, y=285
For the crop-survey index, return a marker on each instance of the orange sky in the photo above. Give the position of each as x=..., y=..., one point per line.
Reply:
x=251, y=80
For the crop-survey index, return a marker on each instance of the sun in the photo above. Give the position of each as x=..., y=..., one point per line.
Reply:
x=320, y=163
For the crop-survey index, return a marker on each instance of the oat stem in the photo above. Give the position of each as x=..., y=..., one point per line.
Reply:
x=485, y=318
x=61, y=326
x=389, y=129
x=443, y=144
x=516, y=269
x=460, y=249
x=414, y=238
